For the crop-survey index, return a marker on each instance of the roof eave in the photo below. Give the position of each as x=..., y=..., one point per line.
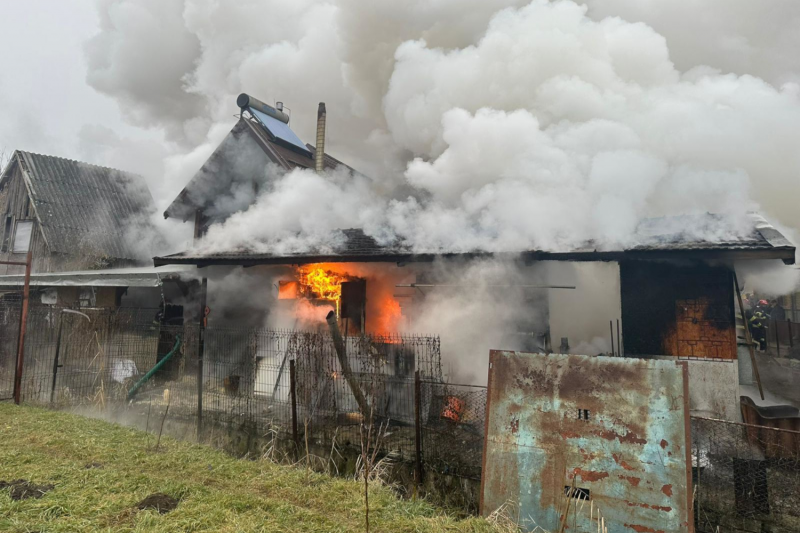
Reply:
x=786, y=254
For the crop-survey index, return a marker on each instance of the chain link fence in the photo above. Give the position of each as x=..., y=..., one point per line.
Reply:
x=746, y=477
x=453, y=426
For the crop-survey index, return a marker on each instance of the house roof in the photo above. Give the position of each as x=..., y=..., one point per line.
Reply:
x=701, y=237
x=78, y=204
x=247, y=149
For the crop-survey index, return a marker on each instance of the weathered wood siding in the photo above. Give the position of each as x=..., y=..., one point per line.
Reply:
x=15, y=202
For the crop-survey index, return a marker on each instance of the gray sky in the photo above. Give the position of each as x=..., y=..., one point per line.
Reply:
x=44, y=99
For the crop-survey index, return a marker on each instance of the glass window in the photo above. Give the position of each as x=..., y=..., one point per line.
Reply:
x=22, y=237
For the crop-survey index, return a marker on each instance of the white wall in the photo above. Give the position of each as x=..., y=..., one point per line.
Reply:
x=583, y=314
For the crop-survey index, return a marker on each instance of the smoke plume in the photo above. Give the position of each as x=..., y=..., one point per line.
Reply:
x=479, y=125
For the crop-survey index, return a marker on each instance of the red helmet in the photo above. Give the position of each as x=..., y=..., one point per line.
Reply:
x=763, y=302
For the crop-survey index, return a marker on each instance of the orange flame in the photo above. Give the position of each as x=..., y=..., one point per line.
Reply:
x=322, y=284
x=323, y=281
x=390, y=314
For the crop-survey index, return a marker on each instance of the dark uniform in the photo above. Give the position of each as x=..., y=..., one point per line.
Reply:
x=778, y=313
x=758, y=327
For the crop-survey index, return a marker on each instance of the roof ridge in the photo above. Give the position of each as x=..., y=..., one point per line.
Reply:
x=80, y=162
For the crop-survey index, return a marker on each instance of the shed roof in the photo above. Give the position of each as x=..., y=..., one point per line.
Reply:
x=665, y=237
x=80, y=204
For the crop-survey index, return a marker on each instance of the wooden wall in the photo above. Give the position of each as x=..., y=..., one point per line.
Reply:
x=14, y=201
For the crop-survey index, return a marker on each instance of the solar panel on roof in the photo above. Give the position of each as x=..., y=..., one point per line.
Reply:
x=280, y=130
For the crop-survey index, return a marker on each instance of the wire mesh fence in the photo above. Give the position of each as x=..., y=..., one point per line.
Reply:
x=126, y=359
x=292, y=384
x=453, y=425
x=746, y=477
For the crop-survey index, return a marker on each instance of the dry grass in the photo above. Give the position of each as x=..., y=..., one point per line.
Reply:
x=100, y=471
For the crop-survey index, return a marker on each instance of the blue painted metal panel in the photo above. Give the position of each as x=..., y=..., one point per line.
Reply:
x=279, y=129
x=615, y=427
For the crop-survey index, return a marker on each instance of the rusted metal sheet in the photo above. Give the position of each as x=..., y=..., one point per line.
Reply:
x=615, y=427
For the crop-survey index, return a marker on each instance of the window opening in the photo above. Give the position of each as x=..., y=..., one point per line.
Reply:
x=22, y=236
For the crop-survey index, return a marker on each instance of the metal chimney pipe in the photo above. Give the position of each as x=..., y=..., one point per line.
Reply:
x=319, y=155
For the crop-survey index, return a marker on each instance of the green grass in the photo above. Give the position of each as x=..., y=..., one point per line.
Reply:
x=217, y=492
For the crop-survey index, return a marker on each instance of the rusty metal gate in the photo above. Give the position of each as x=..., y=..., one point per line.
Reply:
x=573, y=441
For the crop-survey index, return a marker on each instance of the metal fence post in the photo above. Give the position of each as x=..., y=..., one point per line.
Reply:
x=23, y=325
x=55, y=357
x=698, y=489
x=789, y=328
x=200, y=353
x=293, y=394
x=417, y=428
x=611, y=331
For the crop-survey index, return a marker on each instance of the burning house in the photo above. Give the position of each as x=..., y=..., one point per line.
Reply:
x=661, y=309
x=674, y=289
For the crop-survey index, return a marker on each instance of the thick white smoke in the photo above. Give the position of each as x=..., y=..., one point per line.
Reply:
x=481, y=125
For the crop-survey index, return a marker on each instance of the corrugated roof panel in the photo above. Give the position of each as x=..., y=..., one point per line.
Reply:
x=81, y=204
x=279, y=130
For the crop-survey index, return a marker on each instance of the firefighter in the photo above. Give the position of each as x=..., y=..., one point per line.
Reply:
x=778, y=313
x=758, y=324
